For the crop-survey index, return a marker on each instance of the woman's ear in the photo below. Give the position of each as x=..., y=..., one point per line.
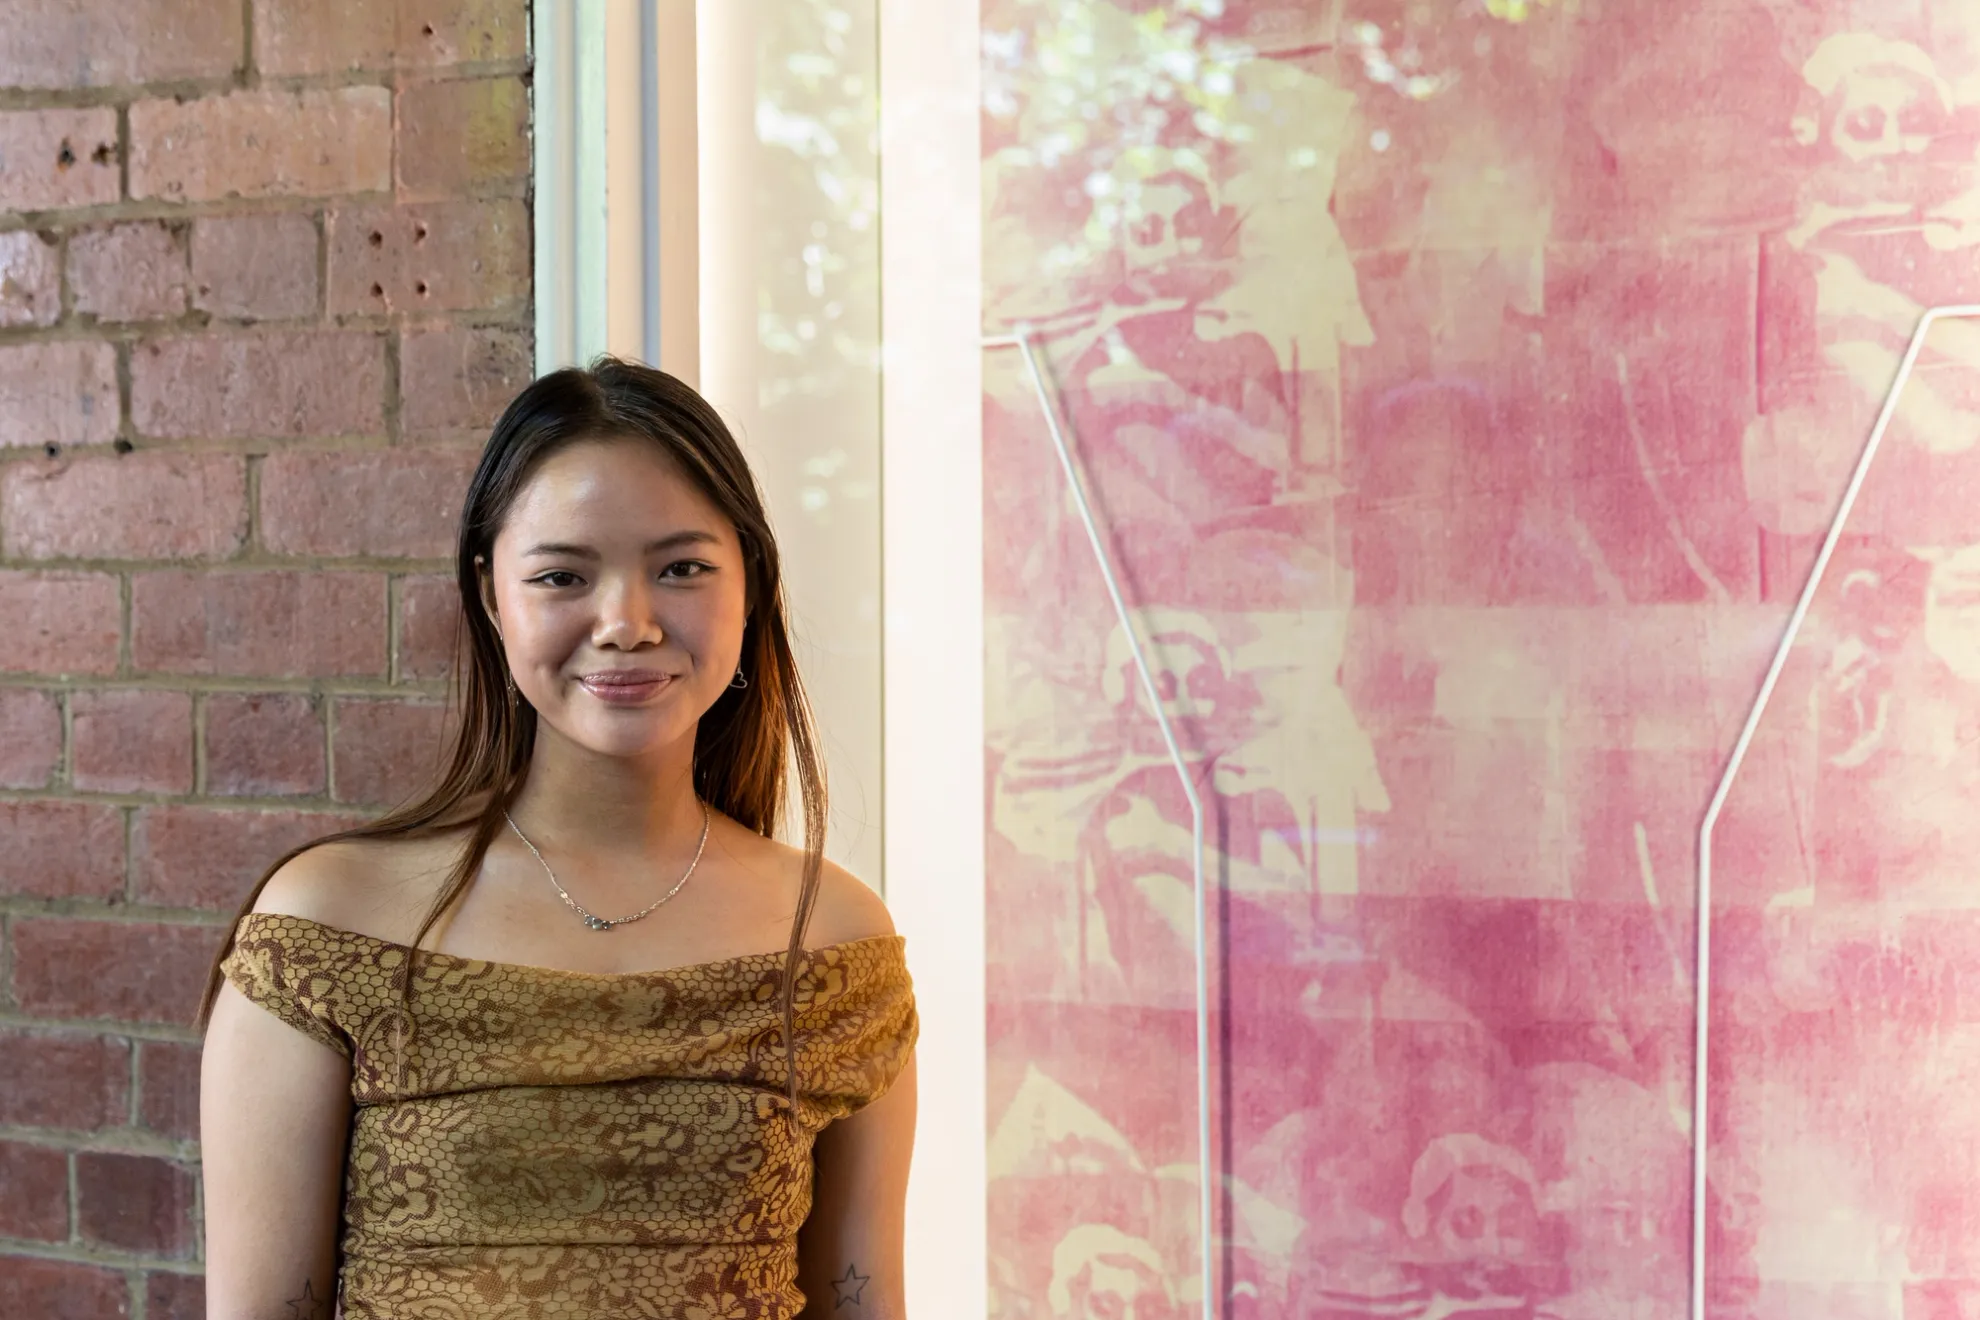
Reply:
x=485, y=583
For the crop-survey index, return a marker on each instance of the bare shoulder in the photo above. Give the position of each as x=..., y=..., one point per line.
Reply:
x=363, y=885
x=846, y=909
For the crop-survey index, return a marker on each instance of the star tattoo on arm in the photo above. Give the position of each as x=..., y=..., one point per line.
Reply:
x=849, y=1287
x=309, y=1306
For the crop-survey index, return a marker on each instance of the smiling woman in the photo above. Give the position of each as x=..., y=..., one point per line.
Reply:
x=516, y=1118
x=589, y=604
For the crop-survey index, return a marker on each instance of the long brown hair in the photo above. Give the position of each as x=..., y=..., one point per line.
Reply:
x=741, y=743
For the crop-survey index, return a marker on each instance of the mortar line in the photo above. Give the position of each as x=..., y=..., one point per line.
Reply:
x=126, y=586
x=394, y=589
x=247, y=71
x=199, y=700
x=134, y=1106
x=128, y=819
x=64, y=776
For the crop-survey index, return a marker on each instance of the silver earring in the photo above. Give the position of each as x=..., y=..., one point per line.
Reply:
x=739, y=681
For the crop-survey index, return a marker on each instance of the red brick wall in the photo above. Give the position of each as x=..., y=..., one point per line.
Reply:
x=264, y=281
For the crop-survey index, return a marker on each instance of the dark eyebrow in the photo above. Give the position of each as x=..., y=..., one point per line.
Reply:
x=569, y=551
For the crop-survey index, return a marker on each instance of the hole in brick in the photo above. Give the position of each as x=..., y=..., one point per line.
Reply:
x=427, y=30
x=378, y=291
x=52, y=449
x=121, y=445
x=376, y=238
x=105, y=153
x=419, y=233
x=420, y=288
x=66, y=156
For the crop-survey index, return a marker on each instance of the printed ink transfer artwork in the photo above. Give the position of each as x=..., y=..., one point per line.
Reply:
x=1466, y=387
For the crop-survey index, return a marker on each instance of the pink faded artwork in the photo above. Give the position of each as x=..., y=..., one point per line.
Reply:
x=1465, y=389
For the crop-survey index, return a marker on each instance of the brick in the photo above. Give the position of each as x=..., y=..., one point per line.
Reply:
x=275, y=383
x=134, y=741
x=62, y=850
x=264, y=623
x=256, y=267
x=130, y=272
x=125, y=506
x=59, y=623
x=30, y=279
x=265, y=744
x=429, y=615
x=304, y=36
x=58, y=158
x=462, y=135
x=168, y=1088
x=65, y=1079
x=437, y=257
x=134, y=1202
x=108, y=43
x=440, y=32
x=30, y=737
x=210, y=857
x=174, y=1296
x=305, y=144
x=455, y=379
x=37, y=1288
x=385, y=751
x=124, y=971
x=62, y=393
x=394, y=503
x=34, y=1192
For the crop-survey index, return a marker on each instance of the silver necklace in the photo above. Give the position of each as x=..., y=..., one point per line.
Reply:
x=606, y=923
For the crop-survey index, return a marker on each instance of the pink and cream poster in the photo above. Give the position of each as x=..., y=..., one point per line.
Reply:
x=1466, y=387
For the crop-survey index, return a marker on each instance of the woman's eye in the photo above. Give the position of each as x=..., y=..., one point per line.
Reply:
x=692, y=568
x=555, y=573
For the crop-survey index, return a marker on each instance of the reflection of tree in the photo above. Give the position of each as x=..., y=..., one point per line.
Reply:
x=1158, y=207
x=1121, y=97
x=817, y=119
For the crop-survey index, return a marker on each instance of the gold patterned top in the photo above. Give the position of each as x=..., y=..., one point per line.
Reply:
x=571, y=1144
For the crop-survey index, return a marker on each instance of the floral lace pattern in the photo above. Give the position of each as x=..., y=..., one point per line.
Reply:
x=547, y=1144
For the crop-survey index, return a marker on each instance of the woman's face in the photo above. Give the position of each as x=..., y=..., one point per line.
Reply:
x=611, y=567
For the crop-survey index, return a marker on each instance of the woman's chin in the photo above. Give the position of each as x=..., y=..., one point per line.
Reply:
x=626, y=735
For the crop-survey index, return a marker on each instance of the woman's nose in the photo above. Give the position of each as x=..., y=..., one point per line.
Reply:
x=625, y=613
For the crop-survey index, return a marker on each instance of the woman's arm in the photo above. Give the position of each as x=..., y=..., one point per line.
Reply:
x=849, y=1251
x=274, y=1116
x=274, y=1125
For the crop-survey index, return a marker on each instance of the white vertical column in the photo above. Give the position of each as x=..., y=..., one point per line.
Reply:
x=725, y=110
x=627, y=218
x=589, y=215
x=568, y=167
x=553, y=167
x=646, y=38
x=676, y=280
x=603, y=152
x=932, y=558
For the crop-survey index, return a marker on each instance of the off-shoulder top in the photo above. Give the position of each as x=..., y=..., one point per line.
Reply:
x=556, y=1144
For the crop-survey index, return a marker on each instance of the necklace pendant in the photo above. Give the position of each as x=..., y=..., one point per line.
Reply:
x=606, y=923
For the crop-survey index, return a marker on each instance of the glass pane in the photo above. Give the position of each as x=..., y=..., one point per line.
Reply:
x=1465, y=390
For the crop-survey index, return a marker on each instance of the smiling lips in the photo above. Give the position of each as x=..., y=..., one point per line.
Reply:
x=624, y=686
